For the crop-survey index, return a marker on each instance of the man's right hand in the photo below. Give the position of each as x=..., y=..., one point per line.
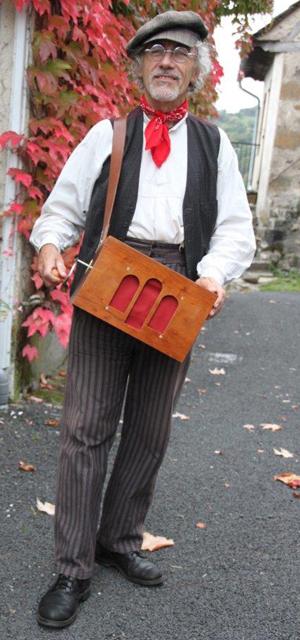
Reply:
x=51, y=266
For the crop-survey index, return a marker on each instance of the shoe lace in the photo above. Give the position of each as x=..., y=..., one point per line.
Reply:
x=64, y=582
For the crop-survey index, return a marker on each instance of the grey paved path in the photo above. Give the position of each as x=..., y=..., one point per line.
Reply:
x=238, y=579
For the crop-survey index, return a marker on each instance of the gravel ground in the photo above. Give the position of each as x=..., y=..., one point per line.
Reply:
x=236, y=579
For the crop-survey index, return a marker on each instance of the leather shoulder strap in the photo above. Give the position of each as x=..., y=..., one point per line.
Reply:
x=118, y=143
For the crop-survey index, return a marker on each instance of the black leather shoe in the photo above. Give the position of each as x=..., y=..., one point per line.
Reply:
x=58, y=607
x=132, y=565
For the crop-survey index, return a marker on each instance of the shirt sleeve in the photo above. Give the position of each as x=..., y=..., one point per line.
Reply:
x=64, y=212
x=232, y=245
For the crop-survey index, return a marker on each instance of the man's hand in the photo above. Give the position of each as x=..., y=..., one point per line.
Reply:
x=51, y=266
x=212, y=285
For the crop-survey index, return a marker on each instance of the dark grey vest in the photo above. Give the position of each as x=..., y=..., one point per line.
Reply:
x=200, y=200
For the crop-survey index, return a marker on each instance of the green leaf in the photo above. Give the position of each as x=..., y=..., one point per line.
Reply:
x=57, y=66
x=68, y=97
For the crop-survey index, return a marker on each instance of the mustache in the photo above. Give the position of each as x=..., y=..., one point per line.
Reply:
x=166, y=74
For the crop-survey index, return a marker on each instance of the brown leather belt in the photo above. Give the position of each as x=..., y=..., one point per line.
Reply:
x=165, y=252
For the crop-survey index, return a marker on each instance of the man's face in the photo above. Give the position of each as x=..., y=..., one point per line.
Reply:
x=167, y=80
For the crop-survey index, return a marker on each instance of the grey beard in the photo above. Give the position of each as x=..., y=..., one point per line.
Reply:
x=163, y=94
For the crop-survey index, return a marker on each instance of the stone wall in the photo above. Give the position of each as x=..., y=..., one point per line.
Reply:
x=281, y=231
x=284, y=186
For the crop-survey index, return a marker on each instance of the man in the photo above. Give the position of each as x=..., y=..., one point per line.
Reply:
x=179, y=188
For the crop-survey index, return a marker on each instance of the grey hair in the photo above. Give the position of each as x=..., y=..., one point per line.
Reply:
x=203, y=63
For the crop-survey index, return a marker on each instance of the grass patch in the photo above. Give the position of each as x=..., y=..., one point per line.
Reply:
x=52, y=392
x=284, y=281
x=54, y=396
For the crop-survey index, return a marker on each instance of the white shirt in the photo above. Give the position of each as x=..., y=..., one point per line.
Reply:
x=158, y=213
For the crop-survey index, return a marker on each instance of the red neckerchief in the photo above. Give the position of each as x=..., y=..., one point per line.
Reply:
x=157, y=132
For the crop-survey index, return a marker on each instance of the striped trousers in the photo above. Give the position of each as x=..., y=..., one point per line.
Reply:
x=109, y=370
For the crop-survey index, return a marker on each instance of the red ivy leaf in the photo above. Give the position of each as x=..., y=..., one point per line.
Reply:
x=35, y=193
x=80, y=36
x=15, y=207
x=20, y=176
x=216, y=72
x=37, y=280
x=29, y=352
x=25, y=226
x=62, y=327
x=70, y=254
x=57, y=150
x=35, y=153
x=46, y=82
x=21, y=3
x=62, y=297
x=39, y=320
x=70, y=9
x=10, y=138
x=42, y=6
x=60, y=24
x=51, y=126
x=47, y=49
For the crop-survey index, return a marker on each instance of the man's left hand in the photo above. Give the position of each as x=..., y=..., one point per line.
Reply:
x=212, y=285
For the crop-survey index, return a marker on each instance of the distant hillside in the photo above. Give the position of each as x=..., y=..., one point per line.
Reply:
x=238, y=126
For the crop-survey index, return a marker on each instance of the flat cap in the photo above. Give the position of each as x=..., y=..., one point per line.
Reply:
x=185, y=27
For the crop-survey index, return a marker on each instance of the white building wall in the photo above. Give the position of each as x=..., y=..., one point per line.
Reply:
x=14, y=39
x=284, y=179
x=7, y=29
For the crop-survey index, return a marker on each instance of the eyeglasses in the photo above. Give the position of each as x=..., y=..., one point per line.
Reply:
x=179, y=54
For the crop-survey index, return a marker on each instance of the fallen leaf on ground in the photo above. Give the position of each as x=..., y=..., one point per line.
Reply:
x=289, y=478
x=180, y=415
x=283, y=452
x=201, y=391
x=217, y=372
x=154, y=543
x=218, y=452
x=35, y=399
x=26, y=466
x=201, y=525
x=295, y=406
x=249, y=427
x=62, y=373
x=270, y=427
x=44, y=384
x=45, y=507
x=52, y=422
x=295, y=483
